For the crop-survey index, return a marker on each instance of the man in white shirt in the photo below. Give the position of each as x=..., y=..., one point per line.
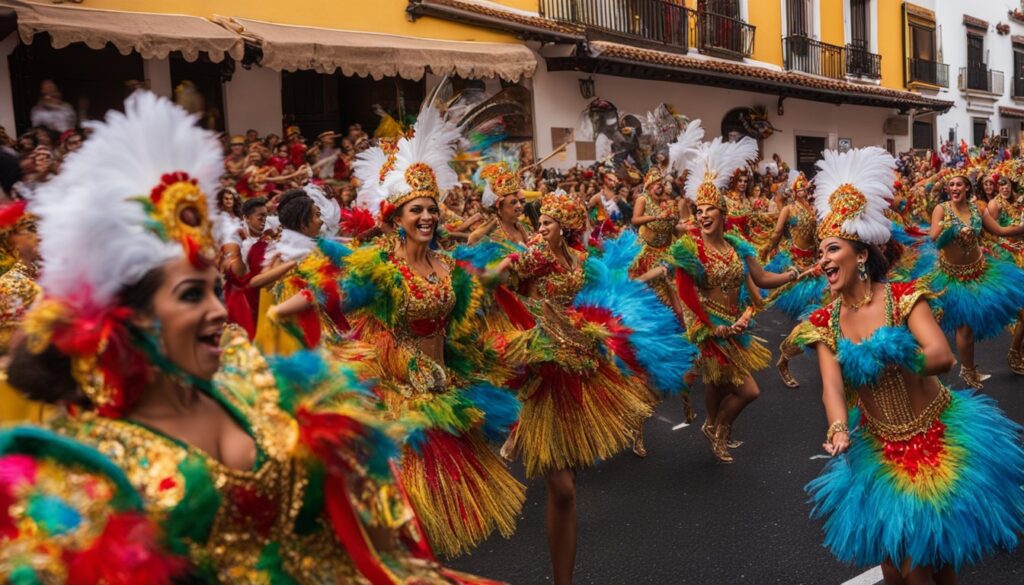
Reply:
x=51, y=112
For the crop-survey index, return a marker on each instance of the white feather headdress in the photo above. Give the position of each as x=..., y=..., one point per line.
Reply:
x=330, y=211
x=369, y=169
x=140, y=192
x=685, y=146
x=712, y=167
x=422, y=166
x=851, y=193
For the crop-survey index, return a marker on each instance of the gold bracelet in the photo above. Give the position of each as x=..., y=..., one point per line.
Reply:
x=838, y=426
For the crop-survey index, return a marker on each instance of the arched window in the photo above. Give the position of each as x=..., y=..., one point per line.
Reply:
x=732, y=125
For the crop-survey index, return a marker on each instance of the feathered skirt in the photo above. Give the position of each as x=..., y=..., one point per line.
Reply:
x=986, y=295
x=799, y=298
x=947, y=496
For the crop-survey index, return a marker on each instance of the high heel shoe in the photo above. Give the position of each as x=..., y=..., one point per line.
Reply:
x=972, y=378
x=787, y=377
x=1015, y=360
x=689, y=415
x=720, y=446
x=638, y=444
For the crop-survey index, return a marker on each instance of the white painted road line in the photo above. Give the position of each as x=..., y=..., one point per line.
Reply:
x=870, y=577
x=820, y=457
x=664, y=420
x=680, y=426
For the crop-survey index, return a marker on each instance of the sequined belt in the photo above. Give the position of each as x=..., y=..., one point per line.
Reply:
x=658, y=238
x=963, y=272
x=893, y=401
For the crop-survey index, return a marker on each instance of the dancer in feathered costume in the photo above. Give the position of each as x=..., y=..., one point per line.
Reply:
x=738, y=198
x=19, y=259
x=922, y=480
x=712, y=267
x=658, y=221
x=503, y=198
x=980, y=294
x=1008, y=209
x=188, y=458
x=600, y=340
x=435, y=363
x=800, y=298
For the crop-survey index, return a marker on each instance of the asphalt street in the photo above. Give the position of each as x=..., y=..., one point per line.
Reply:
x=679, y=517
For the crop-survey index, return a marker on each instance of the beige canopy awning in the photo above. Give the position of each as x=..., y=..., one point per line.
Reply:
x=292, y=48
x=154, y=36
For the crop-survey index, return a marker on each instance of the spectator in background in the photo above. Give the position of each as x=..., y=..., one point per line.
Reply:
x=52, y=112
x=5, y=139
x=251, y=135
x=27, y=143
x=234, y=162
x=10, y=174
x=70, y=141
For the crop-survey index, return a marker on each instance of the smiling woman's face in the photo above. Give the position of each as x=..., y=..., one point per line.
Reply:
x=191, y=317
x=709, y=218
x=839, y=263
x=419, y=218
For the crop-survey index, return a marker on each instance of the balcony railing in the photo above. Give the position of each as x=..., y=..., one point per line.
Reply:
x=810, y=56
x=930, y=72
x=722, y=35
x=980, y=78
x=658, y=21
x=863, y=63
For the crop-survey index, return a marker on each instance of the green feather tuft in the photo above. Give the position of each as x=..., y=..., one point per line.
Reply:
x=312, y=509
x=272, y=565
x=193, y=518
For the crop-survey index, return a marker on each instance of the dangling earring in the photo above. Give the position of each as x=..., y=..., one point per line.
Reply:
x=401, y=233
x=862, y=271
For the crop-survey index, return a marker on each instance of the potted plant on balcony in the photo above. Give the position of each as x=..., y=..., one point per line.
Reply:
x=1016, y=14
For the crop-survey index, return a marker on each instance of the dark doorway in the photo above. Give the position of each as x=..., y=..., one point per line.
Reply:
x=92, y=81
x=199, y=88
x=808, y=152
x=980, y=126
x=924, y=135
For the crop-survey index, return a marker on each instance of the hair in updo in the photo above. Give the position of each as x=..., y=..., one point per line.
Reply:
x=46, y=376
x=295, y=209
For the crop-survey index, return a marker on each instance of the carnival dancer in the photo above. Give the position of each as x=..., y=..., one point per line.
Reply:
x=712, y=267
x=606, y=219
x=738, y=199
x=19, y=265
x=1008, y=209
x=980, y=294
x=435, y=363
x=657, y=218
x=601, y=340
x=503, y=197
x=800, y=298
x=188, y=458
x=923, y=480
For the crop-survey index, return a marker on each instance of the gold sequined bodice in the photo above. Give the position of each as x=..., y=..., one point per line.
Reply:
x=723, y=270
x=660, y=232
x=897, y=420
x=802, y=223
x=739, y=204
x=251, y=508
x=540, y=269
x=429, y=300
x=18, y=290
x=966, y=236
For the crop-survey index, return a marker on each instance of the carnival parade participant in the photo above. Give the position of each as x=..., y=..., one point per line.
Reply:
x=187, y=458
x=580, y=404
x=1007, y=208
x=923, y=480
x=502, y=196
x=435, y=364
x=712, y=267
x=979, y=294
x=19, y=265
x=799, y=298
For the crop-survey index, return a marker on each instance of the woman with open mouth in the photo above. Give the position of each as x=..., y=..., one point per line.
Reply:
x=437, y=368
x=712, y=267
x=184, y=456
x=979, y=294
x=922, y=480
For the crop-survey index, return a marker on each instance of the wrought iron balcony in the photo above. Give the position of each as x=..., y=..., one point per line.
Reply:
x=805, y=54
x=863, y=63
x=930, y=72
x=650, y=20
x=978, y=77
x=659, y=22
x=724, y=36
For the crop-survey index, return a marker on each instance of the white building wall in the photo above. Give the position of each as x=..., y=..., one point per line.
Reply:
x=252, y=99
x=558, y=104
x=999, y=56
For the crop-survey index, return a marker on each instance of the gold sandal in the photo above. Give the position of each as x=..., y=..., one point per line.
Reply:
x=720, y=446
x=638, y=444
x=787, y=377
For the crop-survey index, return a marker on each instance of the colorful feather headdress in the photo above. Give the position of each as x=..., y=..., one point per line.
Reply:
x=797, y=181
x=138, y=194
x=500, y=180
x=852, y=191
x=13, y=217
x=370, y=168
x=421, y=167
x=712, y=167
